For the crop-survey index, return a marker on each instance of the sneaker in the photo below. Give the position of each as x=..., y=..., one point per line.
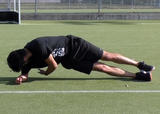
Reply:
x=145, y=76
x=145, y=67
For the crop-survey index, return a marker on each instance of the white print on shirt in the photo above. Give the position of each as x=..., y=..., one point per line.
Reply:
x=58, y=52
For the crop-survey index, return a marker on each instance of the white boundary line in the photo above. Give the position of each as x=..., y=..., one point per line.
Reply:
x=80, y=91
x=35, y=24
x=46, y=24
x=149, y=23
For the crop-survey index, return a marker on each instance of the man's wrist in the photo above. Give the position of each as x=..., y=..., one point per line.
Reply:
x=46, y=73
x=24, y=77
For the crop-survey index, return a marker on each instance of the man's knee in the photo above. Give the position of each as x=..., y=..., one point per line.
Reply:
x=110, y=56
x=104, y=68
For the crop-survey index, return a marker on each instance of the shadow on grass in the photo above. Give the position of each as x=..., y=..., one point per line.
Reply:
x=11, y=80
x=98, y=22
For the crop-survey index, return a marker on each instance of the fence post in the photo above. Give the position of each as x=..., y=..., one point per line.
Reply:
x=35, y=7
x=9, y=5
x=14, y=8
x=99, y=6
x=122, y=3
x=110, y=3
x=133, y=4
x=69, y=4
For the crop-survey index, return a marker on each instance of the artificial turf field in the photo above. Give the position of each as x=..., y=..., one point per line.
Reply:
x=138, y=40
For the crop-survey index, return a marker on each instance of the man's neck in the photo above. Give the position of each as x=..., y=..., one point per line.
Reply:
x=28, y=54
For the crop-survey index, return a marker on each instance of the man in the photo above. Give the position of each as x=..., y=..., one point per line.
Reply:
x=73, y=53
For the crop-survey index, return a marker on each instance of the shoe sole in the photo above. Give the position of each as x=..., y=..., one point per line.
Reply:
x=153, y=68
x=150, y=76
x=150, y=70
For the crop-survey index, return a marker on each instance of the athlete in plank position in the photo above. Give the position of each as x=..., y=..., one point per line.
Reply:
x=73, y=53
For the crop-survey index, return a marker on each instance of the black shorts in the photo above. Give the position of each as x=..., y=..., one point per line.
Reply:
x=82, y=55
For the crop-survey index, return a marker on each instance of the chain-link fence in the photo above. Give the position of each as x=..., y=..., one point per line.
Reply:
x=73, y=6
x=9, y=5
x=5, y=5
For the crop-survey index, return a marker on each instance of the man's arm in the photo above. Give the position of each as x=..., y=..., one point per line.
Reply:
x=52, y=65
x=24, y=74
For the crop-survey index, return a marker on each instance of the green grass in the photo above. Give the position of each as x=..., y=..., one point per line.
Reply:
x=136, y=39
x=88, y=10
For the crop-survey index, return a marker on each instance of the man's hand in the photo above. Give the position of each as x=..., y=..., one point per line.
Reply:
x=42, y=72
x=52, y=65
x=21, y=78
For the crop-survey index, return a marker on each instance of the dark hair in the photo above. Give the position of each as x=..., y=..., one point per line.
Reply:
x=15, y=60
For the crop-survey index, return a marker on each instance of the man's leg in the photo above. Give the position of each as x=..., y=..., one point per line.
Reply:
x=101, y=67
x=117, y=58
x=121, y=73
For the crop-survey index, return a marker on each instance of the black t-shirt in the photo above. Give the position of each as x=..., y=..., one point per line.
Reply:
x=42, y=47
x=70, y=51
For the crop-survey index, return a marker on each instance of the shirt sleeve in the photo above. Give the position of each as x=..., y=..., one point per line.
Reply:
x=40, y=49
x=45, y=52
x=25, y=69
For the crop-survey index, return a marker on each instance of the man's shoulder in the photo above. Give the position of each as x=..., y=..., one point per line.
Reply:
x=37, y=41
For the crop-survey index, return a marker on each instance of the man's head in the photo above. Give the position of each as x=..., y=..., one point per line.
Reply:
x=16, y=59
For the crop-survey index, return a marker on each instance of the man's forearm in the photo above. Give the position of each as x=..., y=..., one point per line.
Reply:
x=52, y=65
x=49, y=70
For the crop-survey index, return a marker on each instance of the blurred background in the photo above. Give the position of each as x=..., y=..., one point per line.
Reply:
x=71, y=6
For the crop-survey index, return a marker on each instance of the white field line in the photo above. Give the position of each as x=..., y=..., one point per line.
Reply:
x=46, y=24
x=80, y=91
x=149, y=23
x=34, y=24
